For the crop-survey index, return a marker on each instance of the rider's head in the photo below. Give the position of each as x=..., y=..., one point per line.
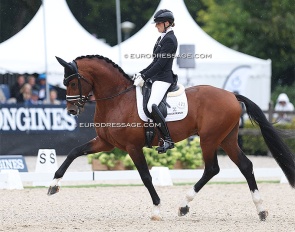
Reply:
x=164, y=17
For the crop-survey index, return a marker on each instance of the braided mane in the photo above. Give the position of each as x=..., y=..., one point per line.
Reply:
x=108, y=61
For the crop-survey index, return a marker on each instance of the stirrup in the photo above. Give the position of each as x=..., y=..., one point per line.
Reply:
x=167, y=144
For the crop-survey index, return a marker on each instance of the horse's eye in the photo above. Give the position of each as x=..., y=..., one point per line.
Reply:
x=73, y=84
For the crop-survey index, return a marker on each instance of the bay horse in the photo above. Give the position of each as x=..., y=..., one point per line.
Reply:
x=213, y=115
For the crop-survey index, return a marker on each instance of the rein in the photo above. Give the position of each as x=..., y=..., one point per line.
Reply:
x=113, y=96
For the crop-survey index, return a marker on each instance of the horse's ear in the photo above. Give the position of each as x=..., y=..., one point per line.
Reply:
x=63, y=63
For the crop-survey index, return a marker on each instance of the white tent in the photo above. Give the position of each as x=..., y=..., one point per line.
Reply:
x=64, y=37
x=219, y=64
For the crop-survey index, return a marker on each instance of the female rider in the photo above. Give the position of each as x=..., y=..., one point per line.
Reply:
x=160, y=73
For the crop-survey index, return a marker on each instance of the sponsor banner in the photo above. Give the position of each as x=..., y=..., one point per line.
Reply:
x=13, y=162
x=45, y=118
x=43, y=127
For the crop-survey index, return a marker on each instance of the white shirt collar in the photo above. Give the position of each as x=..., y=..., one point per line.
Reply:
x=164, y=33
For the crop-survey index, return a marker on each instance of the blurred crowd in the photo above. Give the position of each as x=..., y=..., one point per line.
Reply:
x=29, y=91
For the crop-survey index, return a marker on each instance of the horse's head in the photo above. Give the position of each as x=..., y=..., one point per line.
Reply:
x=78, y=87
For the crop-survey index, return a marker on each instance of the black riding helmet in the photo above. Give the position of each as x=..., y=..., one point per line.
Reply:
x=163, y=16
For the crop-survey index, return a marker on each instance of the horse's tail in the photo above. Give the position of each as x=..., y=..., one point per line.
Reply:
x=272, y=138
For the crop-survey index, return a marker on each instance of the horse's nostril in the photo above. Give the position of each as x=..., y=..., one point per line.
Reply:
x=73, y=112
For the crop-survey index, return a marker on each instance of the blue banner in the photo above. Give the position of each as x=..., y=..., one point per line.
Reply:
x=13, y=162
x=45, y=118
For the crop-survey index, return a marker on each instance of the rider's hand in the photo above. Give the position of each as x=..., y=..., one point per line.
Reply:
x=135, y=76
x=138, y=81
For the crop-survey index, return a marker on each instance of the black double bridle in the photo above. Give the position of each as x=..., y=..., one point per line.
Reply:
x=80, y=99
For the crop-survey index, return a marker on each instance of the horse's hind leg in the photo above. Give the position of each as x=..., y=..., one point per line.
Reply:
x=211, y=169
x=93, y=146
x=233, y=150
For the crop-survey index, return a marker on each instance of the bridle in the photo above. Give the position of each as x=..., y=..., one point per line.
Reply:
x=79, y=100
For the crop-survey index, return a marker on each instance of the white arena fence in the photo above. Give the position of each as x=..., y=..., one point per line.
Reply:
x=187, y=175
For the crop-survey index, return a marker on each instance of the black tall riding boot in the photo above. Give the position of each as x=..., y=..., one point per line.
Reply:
x=159, y=119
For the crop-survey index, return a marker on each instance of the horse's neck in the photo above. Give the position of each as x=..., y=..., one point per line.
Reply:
x=109, y=84
x=108, y=81
x=113, y=104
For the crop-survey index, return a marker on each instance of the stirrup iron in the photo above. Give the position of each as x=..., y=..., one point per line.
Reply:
x=167, y=144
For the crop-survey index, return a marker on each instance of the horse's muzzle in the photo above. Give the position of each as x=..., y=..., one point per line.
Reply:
x=74, y=110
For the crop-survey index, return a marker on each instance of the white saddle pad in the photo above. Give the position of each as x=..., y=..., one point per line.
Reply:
x=177, y=111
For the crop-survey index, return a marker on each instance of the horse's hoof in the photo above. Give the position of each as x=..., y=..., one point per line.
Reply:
x=156, y=213
x=183, y=211
x=263, y=215
x=156, y=218
x=52, y=190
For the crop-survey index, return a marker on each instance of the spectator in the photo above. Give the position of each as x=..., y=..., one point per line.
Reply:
x=25, y=94
x=15, y=89
x=42, y=87
x=32, y=82
x=52, y=98
x=34, y=100
x=283, y=104
x=2, y=97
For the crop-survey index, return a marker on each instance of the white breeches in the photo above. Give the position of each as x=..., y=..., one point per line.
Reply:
x=159, y=88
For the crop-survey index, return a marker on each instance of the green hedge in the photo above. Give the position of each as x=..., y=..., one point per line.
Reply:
x=255, y=145
x=187, y=152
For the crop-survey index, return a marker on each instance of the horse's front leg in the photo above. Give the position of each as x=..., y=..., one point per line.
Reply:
x=140, y=162
x=93, y=146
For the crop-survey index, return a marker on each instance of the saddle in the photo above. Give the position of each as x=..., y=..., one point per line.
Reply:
x=146, y=93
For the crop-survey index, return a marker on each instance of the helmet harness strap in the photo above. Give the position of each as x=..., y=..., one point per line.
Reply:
x=165, y=28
